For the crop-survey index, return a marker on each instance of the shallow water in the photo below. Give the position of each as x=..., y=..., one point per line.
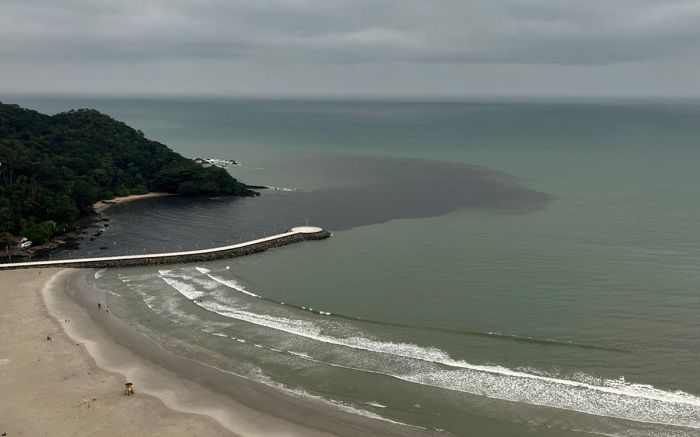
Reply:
x=553, y=289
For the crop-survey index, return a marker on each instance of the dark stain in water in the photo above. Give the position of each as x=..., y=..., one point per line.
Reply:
x=376, y=190
x=395, y=188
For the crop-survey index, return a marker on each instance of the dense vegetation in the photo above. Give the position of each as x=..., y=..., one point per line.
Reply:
x=53, y=168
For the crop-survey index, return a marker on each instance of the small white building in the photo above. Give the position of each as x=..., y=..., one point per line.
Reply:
x=24, y=243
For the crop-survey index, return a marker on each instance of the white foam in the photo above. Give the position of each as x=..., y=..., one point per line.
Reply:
x=232, y=283
x=319, y=312
x=375, y=404
x=165, y=308
x=206, y=283
x=99, y=273
x=183, y=288
x=219, y=334
x=202, y=270
x=626, y=402
x=612, y=398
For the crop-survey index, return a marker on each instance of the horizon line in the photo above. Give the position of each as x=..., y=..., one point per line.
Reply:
x=462, y=98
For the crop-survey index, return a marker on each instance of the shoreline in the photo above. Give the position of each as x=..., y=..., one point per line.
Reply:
x=55, y=387
x=101, y=205
x=81, y=228
x=180, y=392
x=175, y=392
x=226, y=392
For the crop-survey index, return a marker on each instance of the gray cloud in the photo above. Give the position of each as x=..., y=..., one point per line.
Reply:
x=319, y=35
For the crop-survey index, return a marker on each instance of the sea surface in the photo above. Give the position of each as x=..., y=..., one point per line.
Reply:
x=496, y=268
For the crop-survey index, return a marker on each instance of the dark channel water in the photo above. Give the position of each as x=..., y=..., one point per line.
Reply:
x=378, y=189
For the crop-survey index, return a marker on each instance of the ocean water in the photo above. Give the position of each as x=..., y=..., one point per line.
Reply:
x=496, y=268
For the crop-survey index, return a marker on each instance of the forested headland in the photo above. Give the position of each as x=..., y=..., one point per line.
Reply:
x=53, y=168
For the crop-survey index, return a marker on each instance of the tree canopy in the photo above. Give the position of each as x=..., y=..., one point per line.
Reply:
x=53, y=168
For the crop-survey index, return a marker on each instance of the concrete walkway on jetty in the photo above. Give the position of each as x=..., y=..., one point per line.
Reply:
x=294, y=235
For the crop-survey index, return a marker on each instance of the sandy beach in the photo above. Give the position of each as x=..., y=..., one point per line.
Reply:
x=54, y=387
x=102, y=205
x=59, y=387
x=73, y=383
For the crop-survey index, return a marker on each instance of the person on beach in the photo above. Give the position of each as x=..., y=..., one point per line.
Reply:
x=129, y=389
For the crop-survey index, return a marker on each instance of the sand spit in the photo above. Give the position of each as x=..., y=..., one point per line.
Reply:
x=100, y=206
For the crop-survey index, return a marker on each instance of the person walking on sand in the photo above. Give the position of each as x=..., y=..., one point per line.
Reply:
x=128, y=389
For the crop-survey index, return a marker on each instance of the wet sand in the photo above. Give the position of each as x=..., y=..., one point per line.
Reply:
x=73, y=385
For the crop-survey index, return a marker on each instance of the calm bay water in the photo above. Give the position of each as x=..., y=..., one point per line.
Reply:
x=496, y=268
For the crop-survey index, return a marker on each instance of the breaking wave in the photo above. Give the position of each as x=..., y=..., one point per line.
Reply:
x=231, y=283
x=602, y=397
x=613, y=398
x=236, y=285
x=183, y=288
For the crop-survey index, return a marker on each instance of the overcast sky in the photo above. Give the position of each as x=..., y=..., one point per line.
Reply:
x=355, y=47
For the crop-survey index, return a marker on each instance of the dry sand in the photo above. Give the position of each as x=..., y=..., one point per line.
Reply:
x=73, y=384
x=102, y=205
x=54, y=388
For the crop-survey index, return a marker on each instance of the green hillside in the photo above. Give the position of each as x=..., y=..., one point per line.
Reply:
x=53, y=168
